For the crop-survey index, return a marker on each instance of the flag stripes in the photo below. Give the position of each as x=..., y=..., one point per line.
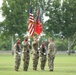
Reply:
x=31, y=23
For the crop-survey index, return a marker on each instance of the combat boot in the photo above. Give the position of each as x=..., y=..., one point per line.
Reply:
x=51, y=70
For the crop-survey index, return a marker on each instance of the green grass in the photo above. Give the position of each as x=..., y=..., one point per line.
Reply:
x=64, y=65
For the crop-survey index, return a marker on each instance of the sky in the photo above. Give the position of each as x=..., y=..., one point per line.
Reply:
x=1, y=18
x=1, y=2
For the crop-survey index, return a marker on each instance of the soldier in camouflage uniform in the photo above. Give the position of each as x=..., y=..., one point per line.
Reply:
x=35, y=53
x=51, y=54
x=43, y=54
x=17, y=53
x=25, y=53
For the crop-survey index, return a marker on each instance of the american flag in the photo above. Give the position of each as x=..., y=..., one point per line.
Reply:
x=31, y=23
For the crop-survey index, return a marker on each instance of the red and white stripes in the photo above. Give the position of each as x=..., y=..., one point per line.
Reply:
x=31, y=25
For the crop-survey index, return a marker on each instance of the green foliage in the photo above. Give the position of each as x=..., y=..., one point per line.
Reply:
x=16, y=13
x=5, y=43
x=69, y=18
x=74, y=48
x=16, y=16
x=62, y=18
x=61, y=45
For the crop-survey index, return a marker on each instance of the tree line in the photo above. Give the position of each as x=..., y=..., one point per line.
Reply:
x=60, y=25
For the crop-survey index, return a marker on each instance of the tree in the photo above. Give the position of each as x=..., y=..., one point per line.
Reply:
x=62, y=19
x=16, y=15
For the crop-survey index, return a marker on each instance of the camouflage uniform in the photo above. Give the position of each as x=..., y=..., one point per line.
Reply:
x=43, y=58
x=35, y=54
x=17, y=56
x=51, y=55
x=25, y=55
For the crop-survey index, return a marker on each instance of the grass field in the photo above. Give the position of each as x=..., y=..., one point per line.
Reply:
x=64, y=65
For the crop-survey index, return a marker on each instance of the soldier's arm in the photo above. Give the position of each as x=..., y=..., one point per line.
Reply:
x=30, y=46
x=34, y=42
x=14, y=48
x=40, y=49
x=45, y=49
x=55, y=49
x=22, y=45
x=49, y=49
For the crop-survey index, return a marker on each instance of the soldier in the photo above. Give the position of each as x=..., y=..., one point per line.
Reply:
x=35, y=52
x=43, y=54
x=17, y=53
x=51, y=54
x=25, y=53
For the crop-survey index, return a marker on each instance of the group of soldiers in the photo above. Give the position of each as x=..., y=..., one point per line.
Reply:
x=37, y=51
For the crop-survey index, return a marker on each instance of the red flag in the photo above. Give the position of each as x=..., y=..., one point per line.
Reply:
x=31, y=25
x=38, y=28
x=38, y=25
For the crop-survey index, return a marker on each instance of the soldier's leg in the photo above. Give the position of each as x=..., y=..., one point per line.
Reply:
x=15, y=66
x=35, y=63
x=51, y=64
x=19, y=59
x=16, y=63
x=23, y=65
x=26, y=64
x=23, y=58
x=37, y=60
x=42, y=63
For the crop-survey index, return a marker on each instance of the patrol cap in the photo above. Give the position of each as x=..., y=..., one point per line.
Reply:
x=50, y=38
x=35, y=37
x=17, y=39
x=25, y=37
x=43, y=41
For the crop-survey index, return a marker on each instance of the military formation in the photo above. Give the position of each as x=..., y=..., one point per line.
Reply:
x=41, y=52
